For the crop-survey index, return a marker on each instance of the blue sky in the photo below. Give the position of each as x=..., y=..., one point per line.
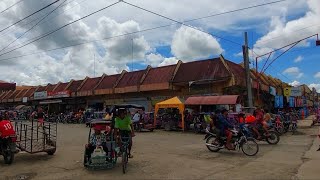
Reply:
x=269, y=27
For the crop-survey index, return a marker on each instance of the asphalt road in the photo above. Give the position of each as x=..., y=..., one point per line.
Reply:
x=168, y=155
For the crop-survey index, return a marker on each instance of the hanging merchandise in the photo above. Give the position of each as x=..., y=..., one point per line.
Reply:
x=291, y=102
x=278, y=102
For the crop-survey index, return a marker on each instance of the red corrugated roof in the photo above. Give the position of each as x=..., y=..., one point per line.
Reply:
x=238, y=72
x=2, y=94
x=50, y=87
x=30, y=92
x=21, y=94
x=90, y=84
x=159, y=75
x=211, y=69
x=131, y=79
x=41, y=88
x=61, y=87
x=108, y=82
x=14, y=94
x=8, y=95
x=212, y=100
x=75, y=85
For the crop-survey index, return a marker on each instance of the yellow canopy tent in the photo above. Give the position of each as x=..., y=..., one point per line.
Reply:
x=174, y=102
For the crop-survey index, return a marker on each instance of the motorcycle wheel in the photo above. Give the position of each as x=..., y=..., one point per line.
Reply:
x=250, y=147
x=210, y=140
x=273, y=138
x=280, y=129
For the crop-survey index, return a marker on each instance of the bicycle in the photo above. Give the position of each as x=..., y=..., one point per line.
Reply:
x=125, y=141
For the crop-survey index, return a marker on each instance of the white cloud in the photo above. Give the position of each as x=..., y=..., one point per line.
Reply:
x=282, y=32
x=316, y=86
x=317, y=75
x=298, y=59
x=293, y=71
x=190, y=44
x=295, y=83
x=169, y=61
x=112, y=55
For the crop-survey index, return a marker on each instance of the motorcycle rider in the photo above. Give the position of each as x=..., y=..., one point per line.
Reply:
x=6, y=128
x=224, y=126
x=259, y=113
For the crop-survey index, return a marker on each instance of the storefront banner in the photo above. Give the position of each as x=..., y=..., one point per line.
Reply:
x=272, y=91
x=278, y=102
x=40, y=95
x=292, y=91
x=296, y=91
x=291, y=102
x=59, y=94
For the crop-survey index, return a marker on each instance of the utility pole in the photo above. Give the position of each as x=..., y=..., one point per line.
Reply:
x=247, y=72
x=94, y=64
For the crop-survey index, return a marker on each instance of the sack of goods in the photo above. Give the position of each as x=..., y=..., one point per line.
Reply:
x=98, y=156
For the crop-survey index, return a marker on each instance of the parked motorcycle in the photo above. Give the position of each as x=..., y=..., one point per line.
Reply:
x=8, y=149
x=240, y=141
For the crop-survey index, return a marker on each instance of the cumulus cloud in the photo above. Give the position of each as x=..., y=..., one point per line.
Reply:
x=293, y=71
x=316, y=86
x=298, y=59
x=295, y=83
x=317, y=75
x=190, y=44
x=113, y=55
x=282, y=32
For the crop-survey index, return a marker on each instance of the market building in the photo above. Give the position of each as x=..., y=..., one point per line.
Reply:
x=212, y=77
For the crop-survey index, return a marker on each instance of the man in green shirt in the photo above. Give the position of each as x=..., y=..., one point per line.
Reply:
x=124, y=127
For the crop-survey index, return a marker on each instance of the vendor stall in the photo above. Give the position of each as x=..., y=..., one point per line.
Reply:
x=171, y=103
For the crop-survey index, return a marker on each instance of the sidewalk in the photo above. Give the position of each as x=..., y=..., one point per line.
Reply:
x=311, y=159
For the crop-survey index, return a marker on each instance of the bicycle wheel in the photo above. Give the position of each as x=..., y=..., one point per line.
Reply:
x=250, y=147
x=124, y=160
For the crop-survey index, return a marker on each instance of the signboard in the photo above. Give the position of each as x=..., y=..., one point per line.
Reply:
x=296, y=91
x=51, y=102
x=40, y=95
x=292, y=91
x=59, y=94
x=25, y=99
x=272, y=91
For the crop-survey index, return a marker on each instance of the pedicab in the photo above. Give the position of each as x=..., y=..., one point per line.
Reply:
x=104, y=156
x=31, y=137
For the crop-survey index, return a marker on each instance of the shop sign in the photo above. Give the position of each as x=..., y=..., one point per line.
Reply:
x=272, y=91
x=25, y=99
x=292, y=91
x=40, y=95
x=59, y=94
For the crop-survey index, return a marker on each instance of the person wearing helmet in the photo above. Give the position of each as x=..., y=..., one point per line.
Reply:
x=124, y=128
x=97, y=139
x=224, y=127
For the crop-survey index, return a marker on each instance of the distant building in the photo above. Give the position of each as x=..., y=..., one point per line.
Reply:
x=6, y=86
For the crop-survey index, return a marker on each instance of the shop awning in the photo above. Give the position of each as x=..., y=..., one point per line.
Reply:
x=19, y=107
x=212, y=100
x=51, y=102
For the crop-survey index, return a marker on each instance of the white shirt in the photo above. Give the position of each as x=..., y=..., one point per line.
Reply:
x=136, y=117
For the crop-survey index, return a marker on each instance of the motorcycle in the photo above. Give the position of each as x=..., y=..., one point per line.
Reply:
x=240, y=141
x=273, y=137
x=8, y=148
x=277, y=124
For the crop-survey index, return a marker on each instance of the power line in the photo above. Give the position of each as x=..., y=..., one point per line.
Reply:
x=178, y=22
x=47, y=19
x=144, y=30
x=49, y=33
x=11, y=6
x=33, y=26
x=30, y=15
